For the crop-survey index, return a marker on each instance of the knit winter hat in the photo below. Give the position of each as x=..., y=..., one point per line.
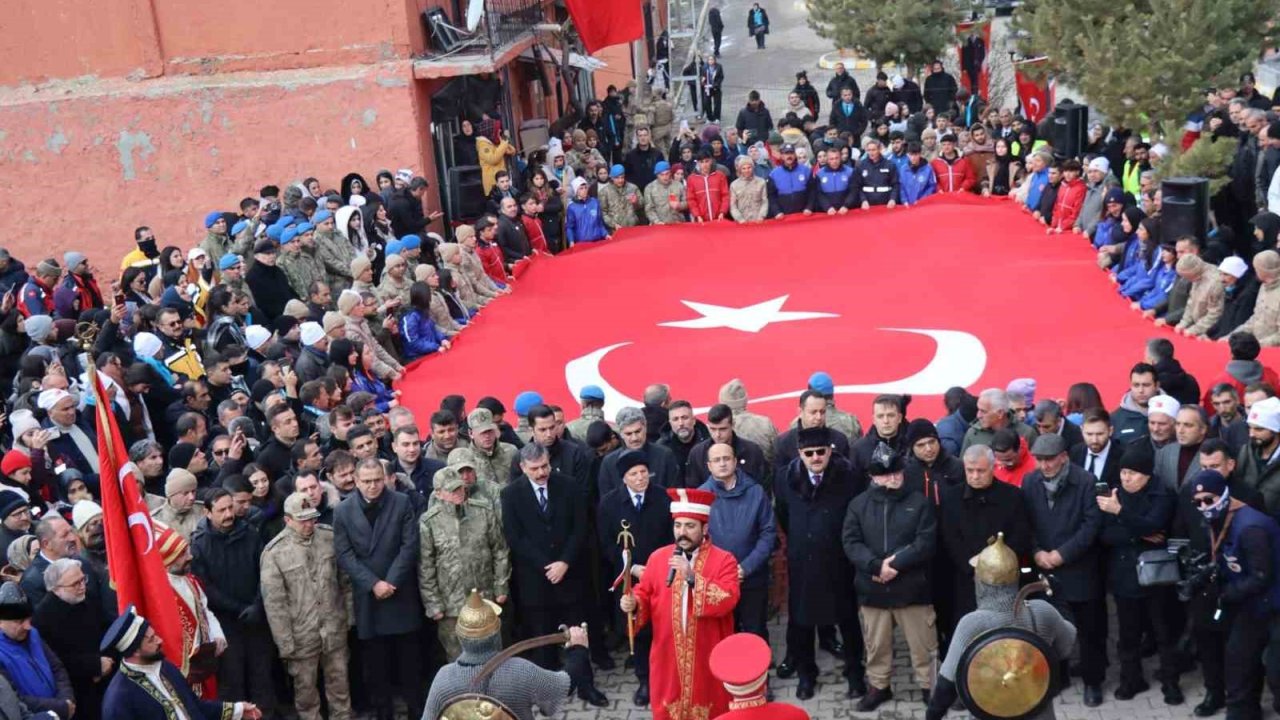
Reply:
x=423, y=271
x=449, y=251
x=734, y=394
x=255, y=336
x=179, y=480
x=920, y=429
x=1235, y=266
x=1139, y=457
x=312, y=333
x=22, y=422
x=71, y=260
x=359, y=265
x=13, y=602
x=11, y=500
x=347, y=301
x=464, y=232
x=1190, y=265
x=146, y=345
x=84, y=511
x=1267, y=260
x=181, y=454
x=332, y=321
x=297, y=309
x=38, y=327
x=14, y=460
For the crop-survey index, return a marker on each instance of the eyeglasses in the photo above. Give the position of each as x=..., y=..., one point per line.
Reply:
x=83, y=581
x=815, y=452
x=220, y=453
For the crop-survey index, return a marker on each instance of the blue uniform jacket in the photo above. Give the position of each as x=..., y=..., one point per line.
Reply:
x=583, y=221
x=916, y=184
x=789, y=189
x=833, y=189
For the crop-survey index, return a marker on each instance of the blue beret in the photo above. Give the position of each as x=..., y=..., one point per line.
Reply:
x=526, y=400
x=822, y=383
x=617, y=171
x=394, y=247
x=661, y=167
x=289, y=234
x=411, y=242
x=275, y=231
x=241, y=225
x=212, y=218
x=305, y=227
x=229, y=260
x=591, y=392
x=321, y=216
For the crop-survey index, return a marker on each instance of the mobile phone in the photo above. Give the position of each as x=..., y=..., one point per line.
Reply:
x=1101, y=489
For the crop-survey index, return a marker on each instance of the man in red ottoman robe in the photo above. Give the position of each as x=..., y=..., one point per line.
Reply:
x=691, y=608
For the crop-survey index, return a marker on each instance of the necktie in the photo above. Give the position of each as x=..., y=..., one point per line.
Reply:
x=1093, y=459
x=639, y=502
x=817, y=480
x=542, y=499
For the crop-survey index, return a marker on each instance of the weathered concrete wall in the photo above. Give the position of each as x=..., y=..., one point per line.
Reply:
x=98, y=158
x=45, y=40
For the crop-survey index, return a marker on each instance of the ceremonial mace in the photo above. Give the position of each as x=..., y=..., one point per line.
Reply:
x=628, y=541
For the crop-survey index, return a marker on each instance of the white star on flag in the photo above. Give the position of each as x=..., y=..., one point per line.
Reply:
x=752, y=318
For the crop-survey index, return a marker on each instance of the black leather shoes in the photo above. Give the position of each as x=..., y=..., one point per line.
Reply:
x=874, y=698
x=1092, y=695
x=641, y=698
x=786, y=670
x=857, y=687
x=1172, y=694
x=1128, y=690
x=592, y=696
x=833, y=646
x=805, y=689
x=1213, y=702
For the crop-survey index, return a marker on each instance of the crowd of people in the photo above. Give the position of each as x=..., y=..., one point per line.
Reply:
x=321, y=540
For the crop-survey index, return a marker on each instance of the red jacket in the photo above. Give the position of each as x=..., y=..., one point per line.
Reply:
x=533, y=231
x=1067, y=207
x=707, y=195
x=491, y=261
x=1269, y=377
x=1015, y=474
x=954, y=176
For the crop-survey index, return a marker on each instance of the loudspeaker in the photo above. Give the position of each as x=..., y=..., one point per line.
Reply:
x=1070, y=129
x=1184, y=208
x=443, y=36
x=466, y=192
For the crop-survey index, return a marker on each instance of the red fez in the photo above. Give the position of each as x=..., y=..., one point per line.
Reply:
x=741, y=662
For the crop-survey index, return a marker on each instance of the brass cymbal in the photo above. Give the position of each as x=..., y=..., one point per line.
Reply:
x=1008, y=677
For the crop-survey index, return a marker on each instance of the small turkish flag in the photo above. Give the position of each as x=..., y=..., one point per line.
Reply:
x=1033, y=94
x=132, y=560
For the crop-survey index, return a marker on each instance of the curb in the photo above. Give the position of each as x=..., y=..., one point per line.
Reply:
x=851, y=60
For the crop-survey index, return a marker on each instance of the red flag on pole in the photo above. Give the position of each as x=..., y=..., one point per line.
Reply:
x=974, y=56
x=1035, y=95
x=137, y=572
x=602, y=23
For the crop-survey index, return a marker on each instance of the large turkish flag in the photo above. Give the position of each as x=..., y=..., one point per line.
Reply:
x=958, y=290
x=602, y=23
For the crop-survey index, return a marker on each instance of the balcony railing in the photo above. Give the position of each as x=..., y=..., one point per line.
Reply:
x=504, y=23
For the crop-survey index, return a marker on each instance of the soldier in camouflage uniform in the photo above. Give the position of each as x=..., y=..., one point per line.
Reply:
x=663, y=116
x=462, y=549
x=463, y=460
x=592, y=399
x=217, y=243
x=298, y=259
x=335, y=252
x=756, y=428
x=306, y=609
x=493, y=458
x=619, y=201
x=232, y=267
x=842, y=422
x=658, y=194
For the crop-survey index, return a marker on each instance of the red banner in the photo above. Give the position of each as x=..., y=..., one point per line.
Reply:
x=973, y=55
x=132, y=558
x=603, y=23
x=1036, y=96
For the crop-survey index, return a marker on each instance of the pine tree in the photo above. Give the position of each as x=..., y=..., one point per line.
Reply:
x=903, y=31
x=1145, y=61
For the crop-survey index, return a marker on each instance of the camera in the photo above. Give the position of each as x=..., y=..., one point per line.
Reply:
x=1199, y=572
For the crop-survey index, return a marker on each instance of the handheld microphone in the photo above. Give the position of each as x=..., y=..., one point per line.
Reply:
x=671, y=572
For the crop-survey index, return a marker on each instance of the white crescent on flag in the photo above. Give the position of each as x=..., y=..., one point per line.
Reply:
x=128, y=472
x=959, y=360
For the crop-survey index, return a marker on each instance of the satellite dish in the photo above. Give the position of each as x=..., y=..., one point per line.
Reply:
x=475, y=10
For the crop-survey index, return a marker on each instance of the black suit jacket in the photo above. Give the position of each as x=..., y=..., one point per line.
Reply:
x=537, y=540
x=1078, y=454
x=651, y=527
